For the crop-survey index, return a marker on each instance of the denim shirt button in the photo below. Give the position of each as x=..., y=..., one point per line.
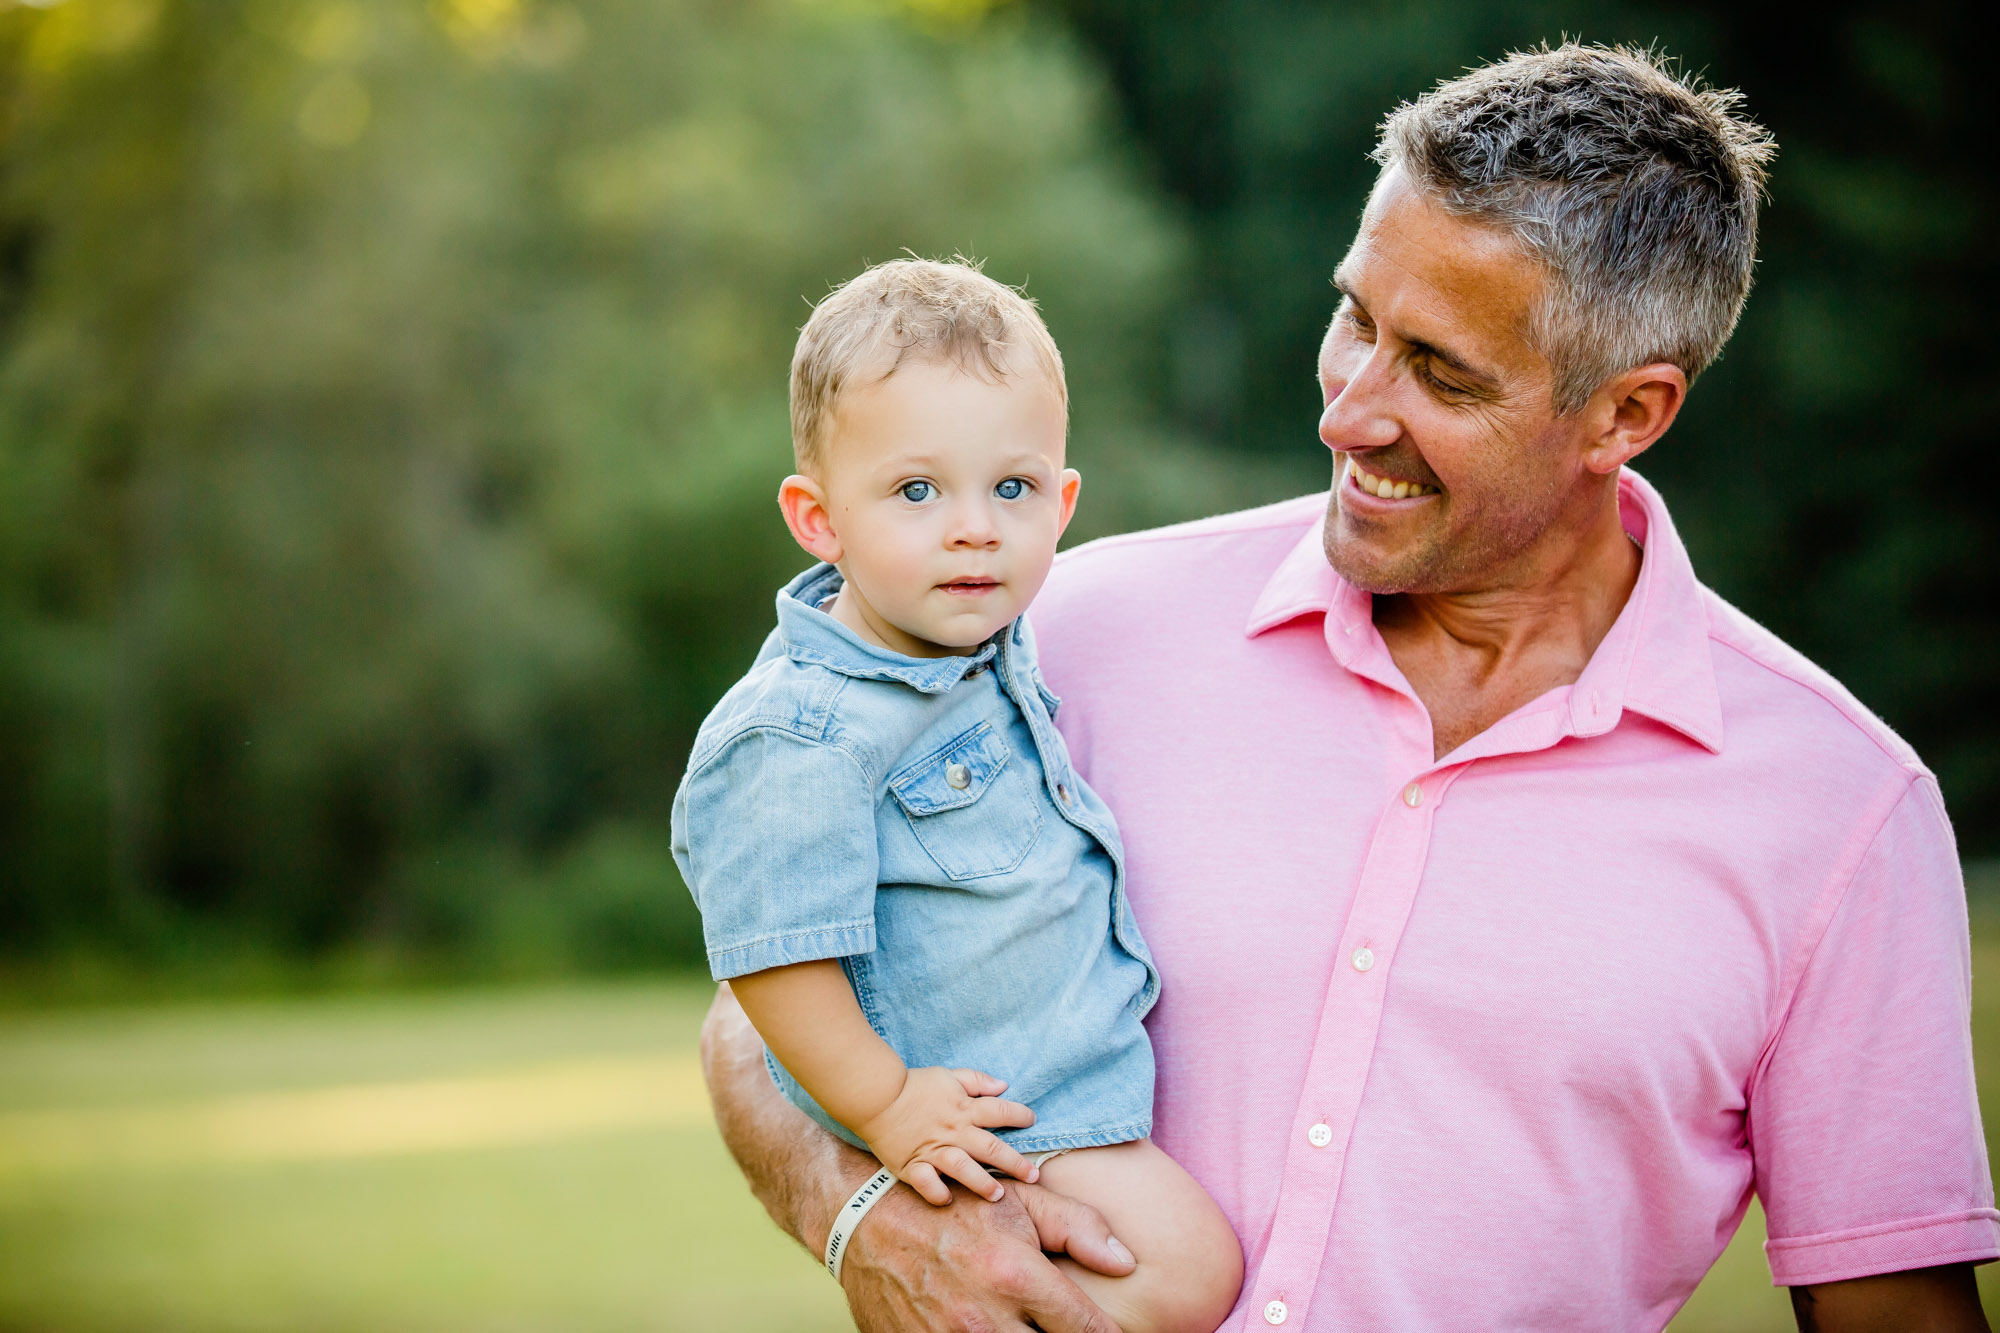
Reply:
x=958, y=776
x=1062, y=790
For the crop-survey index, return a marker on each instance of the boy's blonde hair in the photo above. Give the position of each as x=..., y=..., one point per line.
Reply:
x=926, y=309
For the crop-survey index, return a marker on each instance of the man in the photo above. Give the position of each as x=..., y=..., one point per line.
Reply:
x=1522, y=907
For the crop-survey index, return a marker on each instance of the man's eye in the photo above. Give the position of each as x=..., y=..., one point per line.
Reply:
x=1011, y=489
x=916, y=492
x=1443, y=386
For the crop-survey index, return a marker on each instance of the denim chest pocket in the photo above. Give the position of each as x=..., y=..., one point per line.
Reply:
x=973, y=809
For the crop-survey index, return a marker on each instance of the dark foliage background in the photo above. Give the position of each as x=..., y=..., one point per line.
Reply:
x=391, y=397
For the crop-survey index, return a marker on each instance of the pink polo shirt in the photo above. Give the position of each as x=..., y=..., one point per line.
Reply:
x=1506, y=1040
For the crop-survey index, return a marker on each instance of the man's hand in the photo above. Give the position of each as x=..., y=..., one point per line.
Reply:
x=941, y=1124
x=972, y=1268
x=1924, y=1300
x=978, y=1267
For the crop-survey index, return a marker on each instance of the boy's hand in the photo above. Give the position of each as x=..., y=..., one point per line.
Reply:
x=941, y=1124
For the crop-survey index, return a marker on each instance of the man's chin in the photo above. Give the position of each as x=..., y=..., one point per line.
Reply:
x=1383, y=573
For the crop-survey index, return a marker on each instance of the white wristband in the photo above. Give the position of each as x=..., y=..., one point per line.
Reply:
x=850, y=1216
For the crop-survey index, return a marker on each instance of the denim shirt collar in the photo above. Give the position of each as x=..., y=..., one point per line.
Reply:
x=812, y=636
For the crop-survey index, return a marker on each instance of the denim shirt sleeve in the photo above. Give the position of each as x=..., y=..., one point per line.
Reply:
x=778, y=847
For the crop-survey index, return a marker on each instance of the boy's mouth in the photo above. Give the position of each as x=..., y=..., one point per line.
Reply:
x=973, y=587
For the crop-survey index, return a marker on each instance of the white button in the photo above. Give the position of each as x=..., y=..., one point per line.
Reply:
x=1364, y=958
x=1063, y=791
x=959, y=776
x=1275, y=1312
x=1320, y=1135
x=1413, y=796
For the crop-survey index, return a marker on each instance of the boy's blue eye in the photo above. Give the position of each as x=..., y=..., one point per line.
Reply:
x=1010, y=489
x=916, y=492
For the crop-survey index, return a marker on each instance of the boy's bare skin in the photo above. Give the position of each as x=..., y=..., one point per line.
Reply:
x=940, y=495
x=922, y=1123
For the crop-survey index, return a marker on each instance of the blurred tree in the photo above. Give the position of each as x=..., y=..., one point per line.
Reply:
x=391, y=397
x=1827, y=472
x=391, y=404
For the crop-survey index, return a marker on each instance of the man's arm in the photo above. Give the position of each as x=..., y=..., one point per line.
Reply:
x=1924, y=1300
x=910, y=1268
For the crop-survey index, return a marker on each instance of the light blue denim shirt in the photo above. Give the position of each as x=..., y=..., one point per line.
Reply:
x=918, y=819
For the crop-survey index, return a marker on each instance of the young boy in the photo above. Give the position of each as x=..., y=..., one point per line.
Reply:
x=915, y=898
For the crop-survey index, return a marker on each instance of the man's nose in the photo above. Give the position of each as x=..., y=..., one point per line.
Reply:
x=1358, y=416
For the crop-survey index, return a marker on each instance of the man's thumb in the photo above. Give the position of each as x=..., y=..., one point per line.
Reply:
x=1066, y=1226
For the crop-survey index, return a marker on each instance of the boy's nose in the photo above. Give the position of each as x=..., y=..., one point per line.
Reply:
x=973, y=526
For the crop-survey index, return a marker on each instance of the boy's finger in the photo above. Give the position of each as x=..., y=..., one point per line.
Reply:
x=958, y=1164
x=999, y=1113
x=979, y=1085
x=997, y=1154
x=920, y=1177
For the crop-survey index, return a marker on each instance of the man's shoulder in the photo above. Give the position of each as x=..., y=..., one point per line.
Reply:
x=1781, y=687
x=1170, y=562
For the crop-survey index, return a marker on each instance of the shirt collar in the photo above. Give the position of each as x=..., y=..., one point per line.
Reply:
x=812, y=636
x=1656, y=660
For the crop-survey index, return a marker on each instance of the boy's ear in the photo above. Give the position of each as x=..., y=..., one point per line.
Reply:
x=803, y=504
x=1072, y=482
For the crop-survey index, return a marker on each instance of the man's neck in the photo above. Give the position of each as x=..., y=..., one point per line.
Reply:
x=1475, y=656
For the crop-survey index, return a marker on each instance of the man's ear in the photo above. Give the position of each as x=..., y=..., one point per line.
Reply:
x=804, y=505
x=1072, y=482
x=1634, y=410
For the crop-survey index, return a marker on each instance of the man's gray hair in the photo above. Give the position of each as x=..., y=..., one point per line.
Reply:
x=1636, y=190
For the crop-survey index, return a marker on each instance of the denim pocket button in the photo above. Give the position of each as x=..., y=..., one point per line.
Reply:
x=974, y=810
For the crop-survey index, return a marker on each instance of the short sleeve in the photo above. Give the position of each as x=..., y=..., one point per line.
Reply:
x=775, y=834
x=1864, y=1125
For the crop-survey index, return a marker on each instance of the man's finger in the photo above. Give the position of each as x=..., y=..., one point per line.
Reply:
x=999, y=1113
x=1058, y=1305
x=1066, y=1226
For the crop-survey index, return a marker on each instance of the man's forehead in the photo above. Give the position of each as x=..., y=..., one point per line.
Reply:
x=1416, y=264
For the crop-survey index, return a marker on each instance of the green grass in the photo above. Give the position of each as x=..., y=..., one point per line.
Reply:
x=634, y=1227
x=646, y=1228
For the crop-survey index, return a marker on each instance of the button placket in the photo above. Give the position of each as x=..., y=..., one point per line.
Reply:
x=1344, y=1046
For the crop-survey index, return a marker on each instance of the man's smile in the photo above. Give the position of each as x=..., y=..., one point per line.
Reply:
x=1384, y=487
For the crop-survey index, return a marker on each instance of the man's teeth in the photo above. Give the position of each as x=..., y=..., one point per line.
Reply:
x=1386, y=489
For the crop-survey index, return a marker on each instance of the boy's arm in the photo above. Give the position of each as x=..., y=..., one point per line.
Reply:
x=909, y=1268
x=919, y=1122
